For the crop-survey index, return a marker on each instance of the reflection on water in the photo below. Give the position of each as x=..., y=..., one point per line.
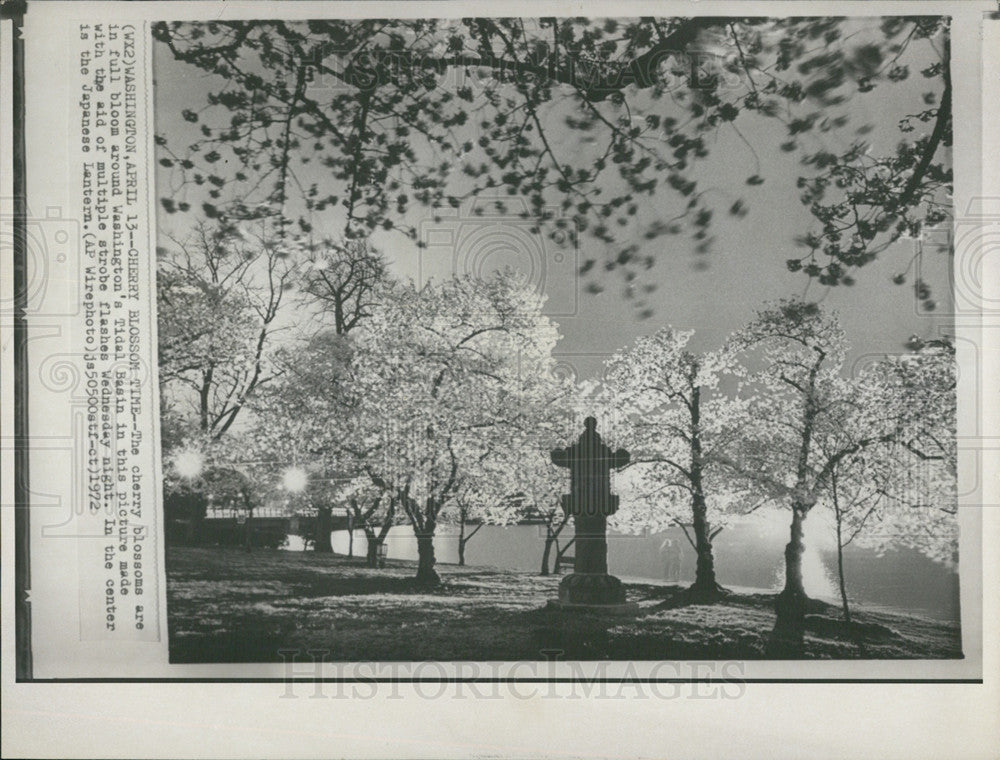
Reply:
x=749, y=555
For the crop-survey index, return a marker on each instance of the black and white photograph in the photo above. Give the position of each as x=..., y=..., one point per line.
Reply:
x=618, y=338
x=436, y=379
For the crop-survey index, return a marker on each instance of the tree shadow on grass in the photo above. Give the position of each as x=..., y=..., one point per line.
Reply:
x=249, y=641
x=240, y=608
x=329, y=585
x=733, y=626
x=484, y=584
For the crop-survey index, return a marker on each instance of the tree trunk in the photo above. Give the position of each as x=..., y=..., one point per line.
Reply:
x=840, y=553
x=790, y=605
x=843, y=583
x=196, y=528
x=461, y=538
x=350, y=534
x=324, y=526
x=371, y=554
x=426, y=574
x=204, y=397
x=787, y=637
x=376, y=539
x=841, y=578
x=464, y=538
x=249, y=532
x=561, y=551
x=705, y=586
x=550, y=539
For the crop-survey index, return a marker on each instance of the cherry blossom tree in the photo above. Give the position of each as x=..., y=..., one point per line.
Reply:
x=432, y=389
x=805, y=420
x=337, y=284
x=219, y=296
x=856, y=491
x=542, y=486
x=305, y=405
x=460, y=369
x=900, y=492
x=674, y=423
x=567, y=401
x=882, y=499
x=796, y=392
x=373, y=511
x=514, y=479
x=240, y=472
x=485, y=497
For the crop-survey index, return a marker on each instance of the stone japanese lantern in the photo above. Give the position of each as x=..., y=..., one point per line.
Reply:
x=590, y=502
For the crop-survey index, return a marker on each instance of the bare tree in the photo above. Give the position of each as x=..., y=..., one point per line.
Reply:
x=220, y=294
x=342, y=279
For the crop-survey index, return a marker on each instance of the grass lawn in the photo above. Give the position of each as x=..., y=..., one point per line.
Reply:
x=227, y=605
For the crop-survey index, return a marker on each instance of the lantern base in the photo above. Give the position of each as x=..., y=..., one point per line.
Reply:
x=628, y=608
x=591, y=590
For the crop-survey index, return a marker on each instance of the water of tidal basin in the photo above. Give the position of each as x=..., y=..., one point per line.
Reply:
x=749, y=556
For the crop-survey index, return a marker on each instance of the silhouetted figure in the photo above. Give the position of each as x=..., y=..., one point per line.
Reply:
x=672, y=560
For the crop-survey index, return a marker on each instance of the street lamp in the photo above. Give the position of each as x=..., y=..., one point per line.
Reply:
x=189, y=463
x=294, y=479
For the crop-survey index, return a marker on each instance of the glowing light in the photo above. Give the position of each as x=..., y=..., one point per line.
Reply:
x=294, y=479
x=189, y=463
x=816, y=578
